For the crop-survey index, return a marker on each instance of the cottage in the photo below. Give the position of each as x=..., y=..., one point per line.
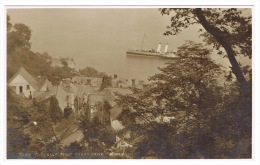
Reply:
x=25, y=84
x=110, y=95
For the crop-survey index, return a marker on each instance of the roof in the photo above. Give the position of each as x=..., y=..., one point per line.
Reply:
x=110, y=94
x=81, y=79
x=42, y=96
x=66, y=127
x=68, y=86
x=93, y=98
x=115, y=112
x=76, y=136
x=27, y=77
x=46, y=81
x=83, y=89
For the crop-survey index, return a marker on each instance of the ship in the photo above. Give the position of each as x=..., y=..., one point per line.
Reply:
x=152, y=53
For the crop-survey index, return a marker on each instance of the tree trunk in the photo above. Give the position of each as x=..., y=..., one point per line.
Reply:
x=223, y=41
x=245, y=86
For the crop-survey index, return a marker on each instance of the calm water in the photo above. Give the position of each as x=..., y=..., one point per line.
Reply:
x=142, y=67
x=139, y=67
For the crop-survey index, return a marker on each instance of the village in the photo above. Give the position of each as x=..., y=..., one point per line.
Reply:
x=76, y=96
x=194, y=102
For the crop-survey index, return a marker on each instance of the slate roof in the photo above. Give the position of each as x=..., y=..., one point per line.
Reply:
x=94, y=81
x=42, y=96
x=83, y=89
x=93, y=98
x=110, y=93
x=66, y=127
x=76, y=136
x=115, y=112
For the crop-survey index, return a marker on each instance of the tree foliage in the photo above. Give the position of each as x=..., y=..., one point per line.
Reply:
x=229, y=29
x=29, y=128
x=202, y=122
x=91, y=72
x=19, y=54
x=55, y=111
x=187, y=49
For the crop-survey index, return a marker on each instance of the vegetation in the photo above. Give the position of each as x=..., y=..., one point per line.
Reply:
x=191, y=109
x=19, y=54
x=91, y=72
x=30, y=124
x=29, y=127
x=203, y=123
x=226, y=29
x=55, y=111
x=229, y=31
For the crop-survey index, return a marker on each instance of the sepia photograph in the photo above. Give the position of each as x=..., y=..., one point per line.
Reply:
x=129, y=82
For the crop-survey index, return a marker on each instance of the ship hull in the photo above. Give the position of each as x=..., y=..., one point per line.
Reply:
x=148, y=54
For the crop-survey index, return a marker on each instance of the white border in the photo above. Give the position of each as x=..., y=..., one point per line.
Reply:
x=129, y=4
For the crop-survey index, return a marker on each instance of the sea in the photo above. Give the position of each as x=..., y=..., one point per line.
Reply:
x=142, y=67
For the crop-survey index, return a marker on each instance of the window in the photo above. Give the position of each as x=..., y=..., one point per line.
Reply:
x=28, y=87
x=20, y=89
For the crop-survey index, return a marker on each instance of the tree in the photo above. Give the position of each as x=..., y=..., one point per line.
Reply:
x=230, y=33
x=97, y=136
x=55, y=111
x=18, y=36
x=91, y=72
x=19, y=54
x=187, y=49
x=9, y=25
x=187, y=89
x=17, y=141
x=225, y=28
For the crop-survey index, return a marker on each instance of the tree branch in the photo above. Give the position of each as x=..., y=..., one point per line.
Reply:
x=218, y=34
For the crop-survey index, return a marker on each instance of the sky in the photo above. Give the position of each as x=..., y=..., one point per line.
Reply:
x=100, y=37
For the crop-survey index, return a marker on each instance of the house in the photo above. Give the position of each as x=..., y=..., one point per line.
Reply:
x=120, y=82
x=82, y=97
x=96, y=104
x=110, y=95
x=25, y=84
x=68, y=94
x=93, y=81
x=65, y=93
x=128, y=83
x=67, y=131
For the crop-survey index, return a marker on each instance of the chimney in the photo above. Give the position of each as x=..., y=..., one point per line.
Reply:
x=133, y=82
x=115, y=76
x=159, y=48
x=166, y=48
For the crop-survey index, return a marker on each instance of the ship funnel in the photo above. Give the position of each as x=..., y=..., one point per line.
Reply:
x=159, y=48
x=166, y=48
x=133, y=83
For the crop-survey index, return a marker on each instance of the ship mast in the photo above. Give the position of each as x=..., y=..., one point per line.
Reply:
x=143, y=42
